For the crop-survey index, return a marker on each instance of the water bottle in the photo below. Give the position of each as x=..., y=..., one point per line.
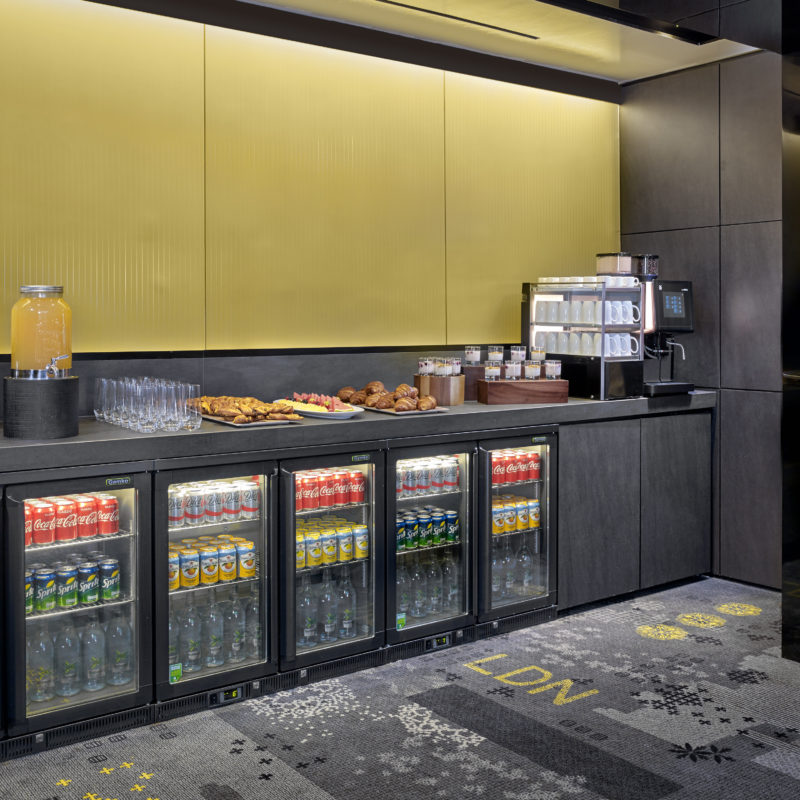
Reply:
x=348, y=606
x=174, y=627
x=306, y=616
x=433, y=578
x=68, y=660
x=497, y=572
x=509, y=569
x=419, y=590
x=525, y=574
x=119, y=655
x=191, y=639
x=234, y=629
x=215, y=633
x=451, y=588
x=328, y=609
x=254, y=648
x=93, y=641
x=402, y=595
x=40, y=661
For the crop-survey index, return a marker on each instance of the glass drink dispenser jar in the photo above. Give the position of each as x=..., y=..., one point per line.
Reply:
x=41, y=334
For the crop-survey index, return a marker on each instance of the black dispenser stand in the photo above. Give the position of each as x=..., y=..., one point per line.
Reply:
x=40, y=409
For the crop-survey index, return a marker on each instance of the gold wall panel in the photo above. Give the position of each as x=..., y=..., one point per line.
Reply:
x=325, y=197
x=101, y=158
x=532, y=190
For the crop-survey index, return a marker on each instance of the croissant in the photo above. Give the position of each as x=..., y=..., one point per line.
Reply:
x=427, y=403
x=374, y=398
x=413, y=391
x=374, y=387
x=346, y=393
x=403, y=390
x=357, y=398
x=384, y=400
x=405, y=404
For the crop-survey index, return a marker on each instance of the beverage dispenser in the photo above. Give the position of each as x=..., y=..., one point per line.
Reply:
x=41, y=395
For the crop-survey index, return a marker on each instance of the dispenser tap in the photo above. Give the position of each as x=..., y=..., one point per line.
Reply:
x=52, y=369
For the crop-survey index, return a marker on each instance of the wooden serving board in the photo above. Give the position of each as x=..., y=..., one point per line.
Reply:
x=512, y=392
x=448, y=390
x=472, y=374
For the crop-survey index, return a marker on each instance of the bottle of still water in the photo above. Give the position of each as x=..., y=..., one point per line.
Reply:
x=433, y=580
x=174, y=626
x=191, y=639
x=403, y=595
x=214, y=633
x=525, y=570
x=67, y=660
x=40, y=664
x=348, y=605
x=234, y=629
x=253, y=646
x=119, y=652
x=451, y=584
x=328, y=609
x=497, y=572
x=93, y=642
x=419, y=590
x=307, y=615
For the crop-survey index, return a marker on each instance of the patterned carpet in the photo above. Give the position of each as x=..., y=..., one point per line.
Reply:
x=678, y=694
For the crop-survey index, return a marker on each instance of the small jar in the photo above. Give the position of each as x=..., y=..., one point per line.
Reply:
x=472, y=354
x=426, y=365
x=533, y=370
x=537, y=355
x=513, y=370
x=552, y=370
x=495, y=352
x=442, y=367
x=455, y=365
x=492, y=370
x=517, y=352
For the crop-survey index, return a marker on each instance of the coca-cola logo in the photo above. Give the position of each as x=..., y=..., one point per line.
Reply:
x=311, y=491
x=341, y=487
x=498, y=469
x=108, y=516
x=511, y=467
x=68, y=521
x=44, y=524
x=28, y=525
x=88, y=519
x=326, y=491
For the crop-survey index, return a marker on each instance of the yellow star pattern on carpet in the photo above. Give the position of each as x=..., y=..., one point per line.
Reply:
x=662, y=632
x=701, y=620
x=739, y=609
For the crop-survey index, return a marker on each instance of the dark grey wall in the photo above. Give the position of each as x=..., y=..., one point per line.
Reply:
x=700, y=168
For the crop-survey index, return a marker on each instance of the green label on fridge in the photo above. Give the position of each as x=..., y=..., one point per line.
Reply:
x=175, y=672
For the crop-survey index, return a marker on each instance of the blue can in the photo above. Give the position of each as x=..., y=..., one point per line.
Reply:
x=400, y=530
x=412, y=531
x=425, y=534
x=439, y=530
x=453, y=528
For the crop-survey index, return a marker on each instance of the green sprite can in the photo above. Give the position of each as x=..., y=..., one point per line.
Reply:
x=44, y=596
x=109, y=579
x=88, y=584
x=67, y=587
x=28, y=592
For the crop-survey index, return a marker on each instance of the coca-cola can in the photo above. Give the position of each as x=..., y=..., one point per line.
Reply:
x=213, y=509
x=437, y=475
x=410, y=481
x=176, y=498
x=423, y=470
x=521, y=459
x=511, y=467
x=43, y=526
x=250, y=498
x=326, y=489
x=299, y=503
x=450, y=473
x=28, y=523
x=231, y=502
x=399, y=483
x=194, y=509
x=498, y=468
x=358, y=486
x=534, y=467
x=341, y=488
x=66, y=525
x=107, y=515
x=310, y=483
x=86, y=508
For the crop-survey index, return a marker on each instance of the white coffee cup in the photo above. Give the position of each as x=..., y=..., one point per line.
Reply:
x=563, y=311
x=616, y=313
x=587, y=344
x=563, y=342
x=574, y=344
x=610, y=345
x=598, y=343
x=630, y=312
x=588, y=312
x=552, y=311
x=540, y=312
x=552, y=342
x=540, y=340
x=575, y=312
x=603, y=312
x=623, y=343
x=627, y=281
x=612, y=281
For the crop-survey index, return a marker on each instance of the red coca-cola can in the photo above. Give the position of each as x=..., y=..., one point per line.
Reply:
x=521, y=459
x=87, y=516
x=66, y=524
x=310, y=491
x=534, y=467
x=341, y=488
x=298, y=491
x=43, y=522
x=358, y=485
x=107, y=514
x=511, y=467
x=326, y=489
x=498, y=468
x=28, y=523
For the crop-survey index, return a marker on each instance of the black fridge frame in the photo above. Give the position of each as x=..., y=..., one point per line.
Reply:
x=21, y=486
x=525, y=438
x=289, y=659
x=216, y=468
x=395, y=454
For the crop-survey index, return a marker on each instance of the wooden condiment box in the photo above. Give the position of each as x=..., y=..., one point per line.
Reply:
x=447, y=389
x=522, y=391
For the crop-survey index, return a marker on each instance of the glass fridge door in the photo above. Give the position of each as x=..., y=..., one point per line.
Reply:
x=432, y=540
x=518, y=557
x=334, y=542
x=80, y=596
x=217, y=562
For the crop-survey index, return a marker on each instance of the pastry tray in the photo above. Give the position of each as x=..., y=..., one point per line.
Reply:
x=264, y=423
x=413, y=413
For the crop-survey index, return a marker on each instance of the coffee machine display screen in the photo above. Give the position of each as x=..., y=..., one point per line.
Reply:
x=674, y=307
x=673, y=304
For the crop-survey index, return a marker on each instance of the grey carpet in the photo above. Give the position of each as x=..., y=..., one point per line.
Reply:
x=679, y=694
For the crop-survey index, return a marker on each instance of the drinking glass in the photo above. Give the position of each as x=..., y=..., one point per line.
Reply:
x=495, y=352
x=146, y=393
x=99, y=398
x=455, y=365
x=517, y=352
x=472, y=354
x=512, y=370
x=109, y=400
x=172, y=412
x=552, y=369
x=192, y=416
x=492, y=370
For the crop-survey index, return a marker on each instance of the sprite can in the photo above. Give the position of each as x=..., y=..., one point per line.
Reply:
x=109, y=579
x=88, y=584
x=28, y=592
x=67, y=587
x=44, y=593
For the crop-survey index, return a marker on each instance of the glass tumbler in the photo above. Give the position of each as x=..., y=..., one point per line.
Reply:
x=192, y=418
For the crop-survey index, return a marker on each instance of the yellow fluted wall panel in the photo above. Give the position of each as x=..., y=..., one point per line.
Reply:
x=101, y=170
x=532, y=190
x=325, y=197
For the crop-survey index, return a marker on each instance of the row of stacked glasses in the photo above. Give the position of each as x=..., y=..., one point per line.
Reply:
x=147, y=404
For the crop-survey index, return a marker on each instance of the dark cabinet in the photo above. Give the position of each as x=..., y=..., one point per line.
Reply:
x=676, y=498
x=598, y=507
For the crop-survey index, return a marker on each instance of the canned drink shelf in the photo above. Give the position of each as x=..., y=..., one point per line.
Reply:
x=428, y=548
x=41, y=548
x=514, y=533
x=322, y=509
x=422, y=495
x=498, y=486
x=217, y=585
x=320, y=567
x=214, y=527
x=61, y=612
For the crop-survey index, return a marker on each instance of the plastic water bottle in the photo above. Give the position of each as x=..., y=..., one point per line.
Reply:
x=419, y=590
x=174, y=652
x=497, y=572
x=348, y=606
x=68, y=660
x=93, y=641
x=306, y=616
x=402, y=595
x=328, y=609
x=253, y=627
x=451, y=588
x=433, y=578
x=234, y=629
x=40, y=660
x=119, y=655
x=509, y=569
x=191, y=639
x=525, y=573
x=215, y=633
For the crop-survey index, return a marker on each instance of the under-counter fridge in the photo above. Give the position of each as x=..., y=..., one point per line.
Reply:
x=332, y=557
x=517, y=542
x=77, y=578
x=215, y=577
x=431, y=504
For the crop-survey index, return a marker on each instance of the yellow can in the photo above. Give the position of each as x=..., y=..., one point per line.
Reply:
x=327, y=540
x=237, y=539
x=209, y=565
x=246, y=555
x=190, y=567
x=300, y=552
x=498, y=519
x=174, y=571
x=360, y=541
x=226, y=537
x=313, y=550
x=189, y=542
x=227, y=562
x=534, y=514
x=205, y=539
x=510, y=514
x=522, y=515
